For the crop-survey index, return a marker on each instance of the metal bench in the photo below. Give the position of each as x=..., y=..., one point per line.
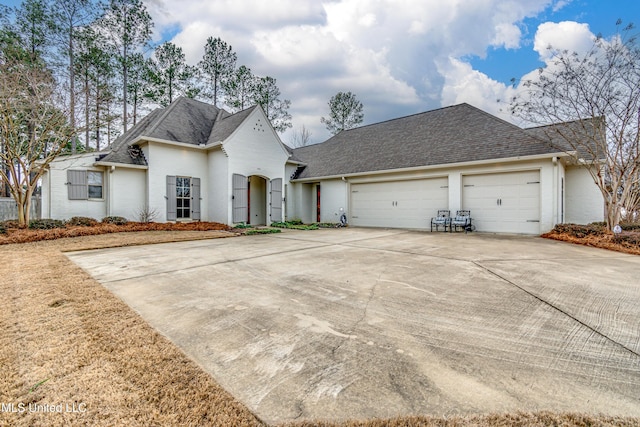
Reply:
x=442, y=219
x=461, y=220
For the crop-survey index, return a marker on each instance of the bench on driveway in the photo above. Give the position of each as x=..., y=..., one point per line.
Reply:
x=442, y=219
x=462, y=220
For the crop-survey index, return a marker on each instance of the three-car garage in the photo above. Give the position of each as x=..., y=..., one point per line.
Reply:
x=506, y=202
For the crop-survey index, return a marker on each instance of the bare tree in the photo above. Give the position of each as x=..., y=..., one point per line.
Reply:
x=33, y=130
x=597, y=96
x=301, y=137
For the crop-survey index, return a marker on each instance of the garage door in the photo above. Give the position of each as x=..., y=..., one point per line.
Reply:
x=399, y=204
x=504, y=202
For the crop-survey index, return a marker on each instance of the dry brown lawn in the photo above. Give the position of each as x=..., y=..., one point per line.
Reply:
x=67, y=341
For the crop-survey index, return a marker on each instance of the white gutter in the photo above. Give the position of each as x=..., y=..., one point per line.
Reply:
x=145, y=139
x=434, y=167
x=120, y=165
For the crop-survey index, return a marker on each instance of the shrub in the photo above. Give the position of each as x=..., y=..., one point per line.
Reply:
x=630, y=226
x=580, y=231
x=116, y=220
x=82, y=221
x=11, y=223
x=628, y=239
x=295, y=225
x=45, y=224
x=3, y=229
x=147, y=214
x=263, y=231
x=242, y=225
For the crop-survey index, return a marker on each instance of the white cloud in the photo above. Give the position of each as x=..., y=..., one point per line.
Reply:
x=464, y=84
x=398, y=56
x=569, y=35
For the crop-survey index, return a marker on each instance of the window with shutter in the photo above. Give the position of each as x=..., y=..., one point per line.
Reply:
x=195, y=199
x=171, y=198
x=94, y=184
x=77, y=188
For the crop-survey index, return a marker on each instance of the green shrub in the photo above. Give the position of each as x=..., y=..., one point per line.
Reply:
x=3, y=229
x=263, y=231
x=295, y=225
x=327, y=224
x=117, y=220
x=243, y=225
x=45, y=224
x=82, y=221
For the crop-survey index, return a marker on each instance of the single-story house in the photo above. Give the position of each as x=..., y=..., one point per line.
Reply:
x=194, y=161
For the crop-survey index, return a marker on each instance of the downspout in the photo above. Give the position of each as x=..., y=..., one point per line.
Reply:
x=556, y=193
x=109, y=187
x=49, y=194
x=347, y=207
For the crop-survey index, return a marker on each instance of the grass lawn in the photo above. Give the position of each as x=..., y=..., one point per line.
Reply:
x=67, y=341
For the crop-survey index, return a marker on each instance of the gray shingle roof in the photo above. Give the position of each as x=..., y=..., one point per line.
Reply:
x=185, y=120
x=460, y=133
x=227, y=124
x=573, y=129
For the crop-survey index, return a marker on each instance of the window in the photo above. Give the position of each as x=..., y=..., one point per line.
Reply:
x=183, y=197
x=94, y=183
x=83, y=184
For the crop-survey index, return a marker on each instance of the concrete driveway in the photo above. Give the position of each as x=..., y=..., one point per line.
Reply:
x=361, y=323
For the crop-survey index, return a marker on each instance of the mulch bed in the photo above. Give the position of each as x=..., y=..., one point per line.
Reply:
x=596, y=236
x=25, y=235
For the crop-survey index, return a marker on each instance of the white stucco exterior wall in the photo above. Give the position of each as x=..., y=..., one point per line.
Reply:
x=255, y=149
x=291, y=194
x=333, y=196
x=169, y=159
x=55, y=198
x=219, y=197
x=583, y=199
x=128, y=192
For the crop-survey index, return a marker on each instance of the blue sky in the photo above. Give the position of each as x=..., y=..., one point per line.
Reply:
x=504, y=64
x=399, y=57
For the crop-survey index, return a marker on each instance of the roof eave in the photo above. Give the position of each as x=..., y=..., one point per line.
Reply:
x=434, y=167
x=121, y=165
x=143, y=140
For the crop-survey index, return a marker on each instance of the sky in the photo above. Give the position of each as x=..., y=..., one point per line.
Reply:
x=398, y=57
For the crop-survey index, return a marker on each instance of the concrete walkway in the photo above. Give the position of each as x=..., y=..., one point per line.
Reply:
x=362, y=323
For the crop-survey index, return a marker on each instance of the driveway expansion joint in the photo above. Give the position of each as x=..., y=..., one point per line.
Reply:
x=564, y=312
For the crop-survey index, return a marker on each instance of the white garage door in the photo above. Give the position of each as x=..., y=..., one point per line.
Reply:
x=503, y=202
x=399, y=204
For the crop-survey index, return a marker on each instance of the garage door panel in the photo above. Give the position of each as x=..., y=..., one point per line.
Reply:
x=504, y=202
x=402, y=204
